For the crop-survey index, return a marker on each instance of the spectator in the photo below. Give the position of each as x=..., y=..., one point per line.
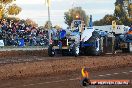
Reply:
x=12, y=32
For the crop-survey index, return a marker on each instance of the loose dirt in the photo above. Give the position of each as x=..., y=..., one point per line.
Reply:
x=57, y=65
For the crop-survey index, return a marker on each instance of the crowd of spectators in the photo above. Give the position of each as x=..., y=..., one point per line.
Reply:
x=16, y=33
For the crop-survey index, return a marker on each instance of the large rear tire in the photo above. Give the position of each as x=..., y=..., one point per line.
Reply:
x=51, y=51
x=96, y=49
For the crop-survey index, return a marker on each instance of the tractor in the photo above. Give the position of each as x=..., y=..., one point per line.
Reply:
x=64, y=42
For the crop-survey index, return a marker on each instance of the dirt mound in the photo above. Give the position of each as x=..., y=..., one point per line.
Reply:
x=57, y=66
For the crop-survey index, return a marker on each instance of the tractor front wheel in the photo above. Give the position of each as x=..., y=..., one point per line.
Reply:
x=75, y=50
x=51, y=51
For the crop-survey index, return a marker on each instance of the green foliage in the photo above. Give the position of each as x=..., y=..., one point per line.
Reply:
x=106, y=20
x=14, y=9
x=120, y=15
x=123, y=16
x=119, y=12
x=47, y=25
x=130, y=9
x=70, y=15
x=6, y=1
x=31, y=22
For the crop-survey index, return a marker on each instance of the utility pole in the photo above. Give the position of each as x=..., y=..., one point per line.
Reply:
x=48, y=2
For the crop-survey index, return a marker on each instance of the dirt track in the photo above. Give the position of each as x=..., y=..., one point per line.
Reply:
x=70, y=80
x=22, y=53
x=37, y=63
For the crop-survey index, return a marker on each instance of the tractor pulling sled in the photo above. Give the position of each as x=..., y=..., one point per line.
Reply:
x=90, y=40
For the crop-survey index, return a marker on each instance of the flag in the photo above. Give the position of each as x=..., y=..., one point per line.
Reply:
x=114, y=24
x=48, y=3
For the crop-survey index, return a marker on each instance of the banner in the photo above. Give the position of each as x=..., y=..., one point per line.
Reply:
x=114, y=25
x=21, y=42
x=1, y=43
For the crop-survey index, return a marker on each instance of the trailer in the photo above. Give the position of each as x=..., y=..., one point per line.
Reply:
x=123, y=40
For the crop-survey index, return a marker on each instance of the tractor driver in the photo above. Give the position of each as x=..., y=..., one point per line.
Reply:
x=130, y=30
x=129, y=33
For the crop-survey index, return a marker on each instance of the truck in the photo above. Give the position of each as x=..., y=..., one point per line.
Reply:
x=121, y=40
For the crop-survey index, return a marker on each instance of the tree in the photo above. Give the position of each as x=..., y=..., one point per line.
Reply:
x=31, y=22
x=6, y=8
x=106, y=20
x=14, y=9
x=120, y=15
x=119, y=12
x=75, y=13
x=123, y=16
x=47, y=25
x=5, y=2
x=130, y=10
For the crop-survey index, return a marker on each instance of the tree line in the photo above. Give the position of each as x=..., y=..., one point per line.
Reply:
x=8, y=8
x=122, y=14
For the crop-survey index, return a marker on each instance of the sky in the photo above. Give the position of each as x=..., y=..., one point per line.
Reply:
x=37, y=10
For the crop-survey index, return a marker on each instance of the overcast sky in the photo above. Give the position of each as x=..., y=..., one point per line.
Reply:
x=37, y=10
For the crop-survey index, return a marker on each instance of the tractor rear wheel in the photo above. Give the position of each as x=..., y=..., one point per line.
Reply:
x=96, y=48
